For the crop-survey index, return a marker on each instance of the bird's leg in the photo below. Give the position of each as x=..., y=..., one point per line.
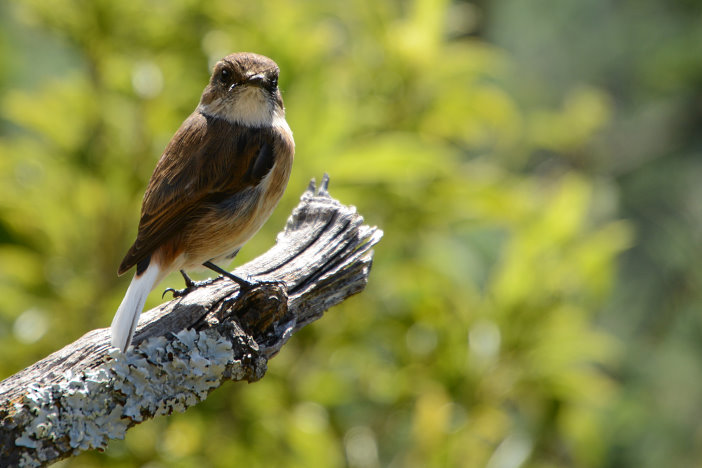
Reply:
x=189, y=283
x=244, y=285
x=190, y=286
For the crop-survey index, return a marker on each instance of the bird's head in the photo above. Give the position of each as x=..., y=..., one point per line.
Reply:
x=243, y=89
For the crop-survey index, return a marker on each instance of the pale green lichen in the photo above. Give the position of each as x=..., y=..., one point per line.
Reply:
x=158, y=377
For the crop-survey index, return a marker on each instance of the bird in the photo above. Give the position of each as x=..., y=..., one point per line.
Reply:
x=215, y=185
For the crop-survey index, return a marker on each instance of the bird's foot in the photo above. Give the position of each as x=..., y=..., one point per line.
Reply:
x=190, y=286
x=245, y=284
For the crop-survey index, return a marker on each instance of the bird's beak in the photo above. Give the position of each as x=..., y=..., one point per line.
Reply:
x=256, y=80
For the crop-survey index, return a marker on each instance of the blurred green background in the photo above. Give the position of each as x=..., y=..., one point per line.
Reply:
x=535, y=166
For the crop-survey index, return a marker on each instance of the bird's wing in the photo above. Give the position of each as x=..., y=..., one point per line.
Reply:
x=208, y=160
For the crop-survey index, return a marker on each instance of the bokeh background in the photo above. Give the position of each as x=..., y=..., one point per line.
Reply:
x=535, y=166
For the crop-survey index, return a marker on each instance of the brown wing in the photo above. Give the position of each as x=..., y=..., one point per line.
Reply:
x=208, y=160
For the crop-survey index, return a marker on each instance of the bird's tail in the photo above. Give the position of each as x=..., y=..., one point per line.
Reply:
x=127, y=316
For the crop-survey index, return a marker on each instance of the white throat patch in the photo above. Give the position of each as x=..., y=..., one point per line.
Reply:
x=252, y=108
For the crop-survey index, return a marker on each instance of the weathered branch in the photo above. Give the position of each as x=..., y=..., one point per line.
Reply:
x=87, y=393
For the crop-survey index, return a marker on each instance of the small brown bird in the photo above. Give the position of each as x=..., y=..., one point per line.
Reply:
x=217, y=182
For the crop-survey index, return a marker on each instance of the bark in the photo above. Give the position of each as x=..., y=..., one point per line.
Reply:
x=87, y=393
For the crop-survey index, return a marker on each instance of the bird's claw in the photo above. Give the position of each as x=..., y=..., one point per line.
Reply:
x=190, y=286
x=177, y=292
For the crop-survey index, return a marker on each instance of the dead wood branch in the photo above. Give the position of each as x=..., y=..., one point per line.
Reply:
x=87, y=393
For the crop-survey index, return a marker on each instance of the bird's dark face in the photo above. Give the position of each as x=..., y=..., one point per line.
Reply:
x=244, y=89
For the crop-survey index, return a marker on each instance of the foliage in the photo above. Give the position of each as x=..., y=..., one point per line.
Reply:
x=507, y=187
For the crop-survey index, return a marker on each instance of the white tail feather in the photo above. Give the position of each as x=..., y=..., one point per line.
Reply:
x=127, y=316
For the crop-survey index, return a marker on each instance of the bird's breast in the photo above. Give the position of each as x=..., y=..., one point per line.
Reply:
x=235, y=220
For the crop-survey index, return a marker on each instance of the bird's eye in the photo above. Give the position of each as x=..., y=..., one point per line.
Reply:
x=224, y=75
x=274, y=82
